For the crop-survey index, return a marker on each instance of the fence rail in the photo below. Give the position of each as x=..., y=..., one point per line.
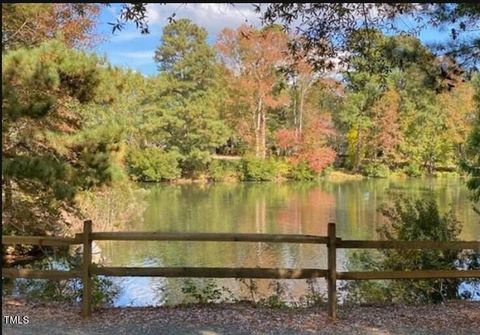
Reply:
x=88, y=269
x=211, y=237
x=404, y=245
x=40, y=240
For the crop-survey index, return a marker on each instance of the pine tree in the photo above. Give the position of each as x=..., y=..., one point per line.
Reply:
x=47, y=154
x=189, y=96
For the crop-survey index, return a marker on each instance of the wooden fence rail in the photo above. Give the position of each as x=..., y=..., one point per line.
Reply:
x=333, y=243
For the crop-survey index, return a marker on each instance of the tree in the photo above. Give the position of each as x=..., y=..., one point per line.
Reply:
x=254, y=58
x=28, y=25
x=327, y=27
x=386, y=132
x=471, y=164
x=47, y=154
x=189, y=96
x=301, y=76
x=355, y=115
x=186, y=58
x=399, y=104
x=413, y=220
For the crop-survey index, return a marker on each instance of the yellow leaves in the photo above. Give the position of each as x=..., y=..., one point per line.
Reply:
x=458, y=106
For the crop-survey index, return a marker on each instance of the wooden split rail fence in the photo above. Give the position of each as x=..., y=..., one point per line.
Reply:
x=330, y=274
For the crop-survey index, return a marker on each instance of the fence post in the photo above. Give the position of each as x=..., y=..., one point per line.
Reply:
x=86, y=269
x=332, y=272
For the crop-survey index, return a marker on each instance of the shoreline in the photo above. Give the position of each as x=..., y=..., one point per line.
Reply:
x=339, y=175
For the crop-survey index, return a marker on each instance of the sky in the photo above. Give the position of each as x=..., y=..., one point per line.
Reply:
x=130, y=49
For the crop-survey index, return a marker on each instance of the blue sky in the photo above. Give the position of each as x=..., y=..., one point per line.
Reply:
x=131, y=49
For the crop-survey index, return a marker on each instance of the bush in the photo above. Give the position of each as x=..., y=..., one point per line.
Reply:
x=280, y=167
x=224, y=170
x=205, y=291
x=153, y=164
x=413, y=170
x=446, y=174
x=301, y=171
x=257, y=169
x=376, y=170
x=411, y=220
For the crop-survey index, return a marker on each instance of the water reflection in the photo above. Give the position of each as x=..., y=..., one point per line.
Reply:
x=287, y=208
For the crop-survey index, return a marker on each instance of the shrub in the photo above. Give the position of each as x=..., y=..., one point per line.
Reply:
x=413, y=170
x=206, y=291
x=301, y=171
x=376, y=170
x=153, y=164
x=410, y=220
x=257, y=169
x=222, y=170
x=279, y=167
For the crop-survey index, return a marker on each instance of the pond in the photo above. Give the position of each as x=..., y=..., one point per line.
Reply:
x=281, y=208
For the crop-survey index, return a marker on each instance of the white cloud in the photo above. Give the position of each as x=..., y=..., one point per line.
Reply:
x=214, y=17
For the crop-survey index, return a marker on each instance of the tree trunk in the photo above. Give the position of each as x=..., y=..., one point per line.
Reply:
x=263, y=135
x=260, y=131
x=300, y=112
x=358, y=148
x=257, y=135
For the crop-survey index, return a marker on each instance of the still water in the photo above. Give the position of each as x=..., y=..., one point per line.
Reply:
x=281, y=208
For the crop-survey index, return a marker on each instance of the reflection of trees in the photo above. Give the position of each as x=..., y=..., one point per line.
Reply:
x=287, y=208
x=307, y=211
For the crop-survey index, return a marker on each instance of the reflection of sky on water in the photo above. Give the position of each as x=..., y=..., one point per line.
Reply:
x=138, y=291
x=473, y=291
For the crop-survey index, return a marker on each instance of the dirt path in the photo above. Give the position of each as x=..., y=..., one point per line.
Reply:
x=451, y=318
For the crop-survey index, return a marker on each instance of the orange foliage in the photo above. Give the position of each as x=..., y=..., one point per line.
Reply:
x=254, y=58
x=311, y=146
x=389, y=134
x=27, y=25
x=286, y=139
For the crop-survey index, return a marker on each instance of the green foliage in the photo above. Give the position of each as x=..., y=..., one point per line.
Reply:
x=413, y=170
x=412, y=220
x=153, y=164
x=301, y=171
x=185, y=111
x=209, y=293
x=257, y=169
x=224, y=170
x=400, y=105
x=47, y=151
x=185, y=56
x=36, y=80
x=376, y=170
x=275, y=300
x=471, y=164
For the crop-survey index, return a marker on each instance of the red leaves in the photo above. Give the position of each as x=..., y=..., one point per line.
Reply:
x=311, y=146
x=286, y=139
x=319, y=159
